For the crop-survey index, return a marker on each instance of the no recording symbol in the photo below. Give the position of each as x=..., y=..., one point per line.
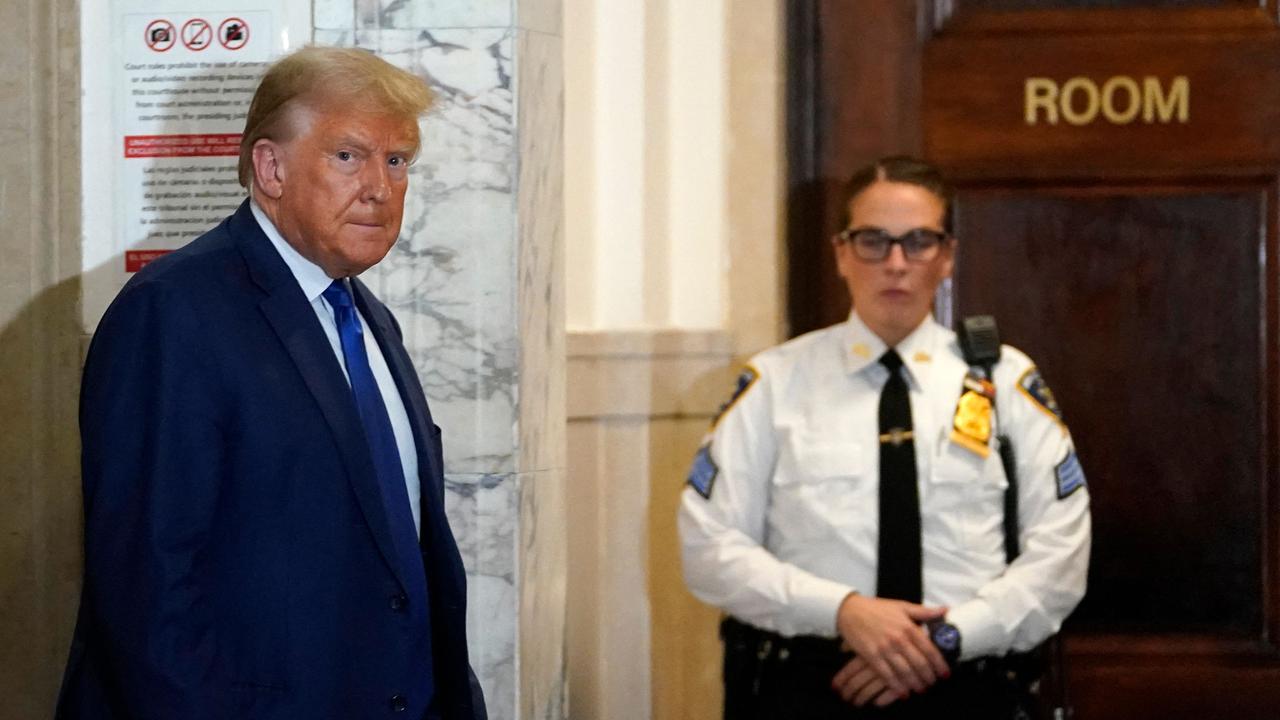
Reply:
x=160, y=35
x=233, y=33
x=196, y=34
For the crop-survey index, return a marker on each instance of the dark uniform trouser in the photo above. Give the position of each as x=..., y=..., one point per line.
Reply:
x=769, y=677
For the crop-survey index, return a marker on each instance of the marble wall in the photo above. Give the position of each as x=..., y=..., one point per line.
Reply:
x=475, y=283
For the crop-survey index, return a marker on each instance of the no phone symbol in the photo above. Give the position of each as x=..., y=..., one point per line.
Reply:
x=233, y=33
x=160, y=35
x=196, y=34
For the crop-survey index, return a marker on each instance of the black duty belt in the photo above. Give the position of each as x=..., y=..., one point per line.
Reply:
x=763, y=661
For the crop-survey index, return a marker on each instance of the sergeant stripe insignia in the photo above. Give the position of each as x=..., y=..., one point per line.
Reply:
x=1070, y=475
x=702, y=476
x=1037, y=391
x=745, y=381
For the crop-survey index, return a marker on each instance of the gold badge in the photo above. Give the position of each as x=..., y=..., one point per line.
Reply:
x=972, y=424
x=862, y=351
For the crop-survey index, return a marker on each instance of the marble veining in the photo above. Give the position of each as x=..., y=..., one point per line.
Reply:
x=482, y=511
x=450, y=279
x=473, y=282
x=541, y=232
x=543, y=567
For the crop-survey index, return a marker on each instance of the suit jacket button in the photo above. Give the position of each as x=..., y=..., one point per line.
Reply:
x=398, y=703
x=399, y=602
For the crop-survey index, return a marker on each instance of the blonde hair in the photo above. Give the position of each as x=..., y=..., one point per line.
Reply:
x=322, y=77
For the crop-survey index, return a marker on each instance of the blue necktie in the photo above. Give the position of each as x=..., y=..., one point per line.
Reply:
x=386, y=460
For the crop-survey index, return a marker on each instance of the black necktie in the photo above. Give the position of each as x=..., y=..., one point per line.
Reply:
x=898, y=567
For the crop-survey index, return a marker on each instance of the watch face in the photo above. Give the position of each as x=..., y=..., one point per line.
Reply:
x=946, y=637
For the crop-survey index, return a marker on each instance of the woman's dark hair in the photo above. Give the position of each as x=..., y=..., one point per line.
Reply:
x=901, y=169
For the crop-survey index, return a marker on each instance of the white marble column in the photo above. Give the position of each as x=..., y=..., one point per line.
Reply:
x=476, y=283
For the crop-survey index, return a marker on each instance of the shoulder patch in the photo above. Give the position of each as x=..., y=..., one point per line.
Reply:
x=1070, y=475
x=702, y=476
x=745, y=381
x=1033, y=386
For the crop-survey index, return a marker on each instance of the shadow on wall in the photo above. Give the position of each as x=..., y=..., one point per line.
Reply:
x=42, y=351
x=40, y=508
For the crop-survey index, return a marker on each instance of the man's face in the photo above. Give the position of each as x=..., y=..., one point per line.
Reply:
x=342, y=179
x=894, y=295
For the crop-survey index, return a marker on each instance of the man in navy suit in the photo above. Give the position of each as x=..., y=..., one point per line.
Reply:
x=265, y=533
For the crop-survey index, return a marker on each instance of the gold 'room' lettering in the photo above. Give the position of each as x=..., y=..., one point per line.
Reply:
x=1120, y=100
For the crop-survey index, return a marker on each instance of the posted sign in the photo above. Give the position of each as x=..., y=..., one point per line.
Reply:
x=167, y=89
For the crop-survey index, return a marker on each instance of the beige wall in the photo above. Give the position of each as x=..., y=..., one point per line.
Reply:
x=646, y=221
x=756, y=175
x=643, y=386
x=39, y=350
x=639, y=645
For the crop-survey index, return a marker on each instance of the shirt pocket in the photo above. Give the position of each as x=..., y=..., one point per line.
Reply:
x=966, y=502
x=822, y=487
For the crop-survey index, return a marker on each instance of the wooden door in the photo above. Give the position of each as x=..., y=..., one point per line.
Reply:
x=1117, y=166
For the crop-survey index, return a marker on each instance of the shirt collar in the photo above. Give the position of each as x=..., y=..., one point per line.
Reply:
x=862, y=347
x=311, y=277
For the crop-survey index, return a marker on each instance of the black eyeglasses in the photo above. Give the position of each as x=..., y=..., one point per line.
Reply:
x=873, y=244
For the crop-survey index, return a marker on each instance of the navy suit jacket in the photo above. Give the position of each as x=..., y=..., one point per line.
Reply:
x=238, y=559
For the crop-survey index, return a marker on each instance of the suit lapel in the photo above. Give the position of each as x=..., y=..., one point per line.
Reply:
x=294, y=321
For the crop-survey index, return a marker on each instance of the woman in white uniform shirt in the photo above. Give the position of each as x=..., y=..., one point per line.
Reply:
x=781, y=520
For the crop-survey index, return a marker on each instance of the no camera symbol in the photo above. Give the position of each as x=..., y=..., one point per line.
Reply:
x=160, y=35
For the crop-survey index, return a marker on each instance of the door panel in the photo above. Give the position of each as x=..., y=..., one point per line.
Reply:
x=1123, y=106
x=1086, y=4
x=1141, y=310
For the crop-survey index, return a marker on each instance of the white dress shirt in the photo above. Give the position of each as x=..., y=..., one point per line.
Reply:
x=790, y=526
x=314, y=281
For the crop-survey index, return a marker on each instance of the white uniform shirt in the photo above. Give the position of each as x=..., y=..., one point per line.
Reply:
x=790, y=526
x=314, y=281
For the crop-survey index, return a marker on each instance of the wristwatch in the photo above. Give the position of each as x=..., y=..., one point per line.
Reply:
x=947, y=639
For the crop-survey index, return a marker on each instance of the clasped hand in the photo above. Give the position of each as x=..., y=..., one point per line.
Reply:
x=893, y=654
